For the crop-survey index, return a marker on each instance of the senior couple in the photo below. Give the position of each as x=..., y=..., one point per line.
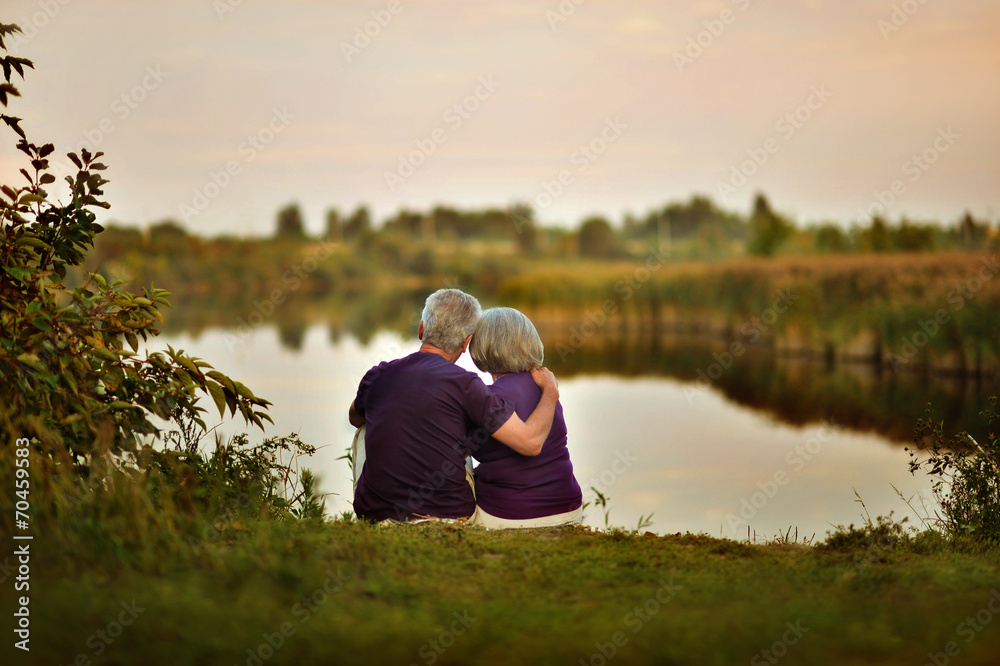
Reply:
x=420, y=417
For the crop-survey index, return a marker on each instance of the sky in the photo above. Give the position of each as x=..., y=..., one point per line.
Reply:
x=216, y=113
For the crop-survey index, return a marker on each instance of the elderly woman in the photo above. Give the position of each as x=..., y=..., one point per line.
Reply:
x=515, y=490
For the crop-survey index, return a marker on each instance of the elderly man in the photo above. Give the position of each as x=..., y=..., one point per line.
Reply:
x=418, y=413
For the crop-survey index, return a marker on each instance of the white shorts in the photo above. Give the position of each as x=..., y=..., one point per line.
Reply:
x=491, y=522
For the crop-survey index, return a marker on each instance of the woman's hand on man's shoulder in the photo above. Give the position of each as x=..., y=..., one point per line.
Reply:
x=544, y=378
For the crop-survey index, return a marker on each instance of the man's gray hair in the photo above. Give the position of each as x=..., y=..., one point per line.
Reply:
x=506, y=341
x=450, y=316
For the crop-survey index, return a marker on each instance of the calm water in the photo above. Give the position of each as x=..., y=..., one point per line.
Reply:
x=687, y=453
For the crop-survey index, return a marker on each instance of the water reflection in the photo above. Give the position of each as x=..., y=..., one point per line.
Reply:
x=795, y=390
x=703, y=465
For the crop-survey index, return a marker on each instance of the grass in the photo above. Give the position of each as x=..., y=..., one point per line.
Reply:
x=346, y=592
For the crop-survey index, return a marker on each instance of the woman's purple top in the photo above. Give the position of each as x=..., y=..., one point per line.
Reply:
x=516, y=487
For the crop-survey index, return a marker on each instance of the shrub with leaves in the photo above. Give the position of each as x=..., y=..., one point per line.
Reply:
x=966, y=476
x=92, y=405
x=69, y=363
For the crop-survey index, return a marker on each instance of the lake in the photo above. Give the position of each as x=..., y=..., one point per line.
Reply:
x=699, y=455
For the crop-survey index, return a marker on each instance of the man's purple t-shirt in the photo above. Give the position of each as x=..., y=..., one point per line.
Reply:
x=517, y=487
x=420, y=411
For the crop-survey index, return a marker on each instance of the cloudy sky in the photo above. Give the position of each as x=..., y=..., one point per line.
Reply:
x=218, y=112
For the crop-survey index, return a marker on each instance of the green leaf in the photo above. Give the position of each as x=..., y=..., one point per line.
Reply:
x=119, y=404
x=106, y=354
x=30, y=197
x=219, y=396
x=184, y=377
x=231, y=401
x=222, y=379
x=18, y=272
x=185, y=362
x=244, y=391
x=13, y=124
x=33, y=241
x=32, y=362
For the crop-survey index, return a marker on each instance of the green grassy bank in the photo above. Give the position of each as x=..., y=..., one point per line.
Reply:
x=304, y=592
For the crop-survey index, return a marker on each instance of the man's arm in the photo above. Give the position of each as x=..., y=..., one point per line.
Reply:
x=356, y=419
x=527, y=437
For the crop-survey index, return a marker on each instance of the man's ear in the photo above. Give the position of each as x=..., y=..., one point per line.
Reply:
x=420, y=330
x=465, y=345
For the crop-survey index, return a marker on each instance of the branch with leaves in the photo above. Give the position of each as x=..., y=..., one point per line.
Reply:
x=70, y=358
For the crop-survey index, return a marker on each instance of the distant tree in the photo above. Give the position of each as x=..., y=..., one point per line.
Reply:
x=688, y=219
x=409, y=224
x=495, y=224
x=830, y=238
x=450, y=223
x=116, y=241
x=359, y=224
x=632, y=226
x=697, y=217
x=597, y=238
x=973, y=234
x=914, y=237
x=522, y=219
x=877, y=237
x=170, y=238
x=290, y=224
x=334, y=225
x=768, y=230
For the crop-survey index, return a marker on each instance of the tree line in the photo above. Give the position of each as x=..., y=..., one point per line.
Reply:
x=696, y=228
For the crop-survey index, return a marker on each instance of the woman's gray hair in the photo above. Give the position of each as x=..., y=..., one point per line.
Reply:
x=450, y=316
x=506, y=341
